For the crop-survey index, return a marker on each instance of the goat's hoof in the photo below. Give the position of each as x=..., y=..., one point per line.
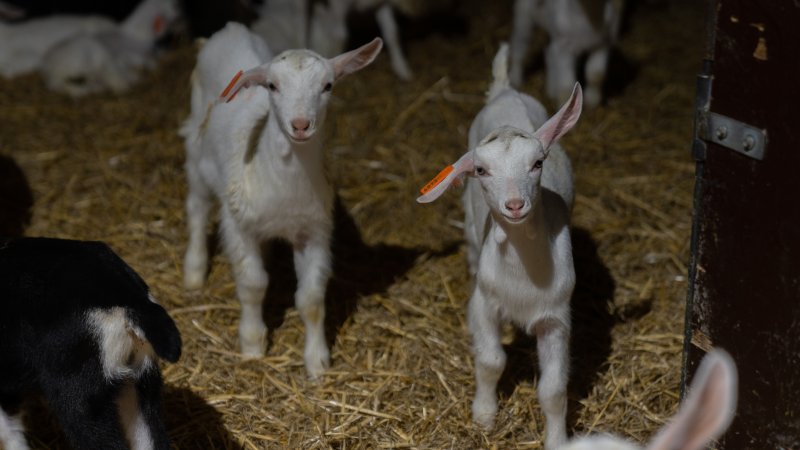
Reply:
x=483, y=415
x=193, y=280
x=317, y=363
x=253, y=348
x=592, y=97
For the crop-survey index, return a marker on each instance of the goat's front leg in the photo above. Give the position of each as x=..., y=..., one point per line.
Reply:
x=490, y=358
x=596, y=65
x=560, y=60
x=312, y=261
x=521, y=33
x=552, y=342
x=388, y=25
x=244, y=254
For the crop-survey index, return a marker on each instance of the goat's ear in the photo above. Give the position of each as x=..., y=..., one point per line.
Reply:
x=562, y=121
x=256, y=75
x=708, y=410
x=355, y=60
x=436, y=187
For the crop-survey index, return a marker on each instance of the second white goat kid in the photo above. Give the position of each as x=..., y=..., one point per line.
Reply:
x=517, y=202
x=260, y=154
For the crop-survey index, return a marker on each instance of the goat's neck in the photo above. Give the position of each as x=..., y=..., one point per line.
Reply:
x=524, y=248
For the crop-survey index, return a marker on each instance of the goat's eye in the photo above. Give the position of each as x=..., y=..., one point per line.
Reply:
x=272, y=87
x=537, y=165
x=328, y=87
x=480, y=171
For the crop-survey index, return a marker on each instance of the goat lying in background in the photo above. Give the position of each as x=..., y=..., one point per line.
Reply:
x=26, y=43
x=260, y=154
x=110, y=59
x=80, y=327
x=518, y=201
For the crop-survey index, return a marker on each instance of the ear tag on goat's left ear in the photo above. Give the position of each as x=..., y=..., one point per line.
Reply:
x=158, y=24
x=230, y=86
x=436, y=180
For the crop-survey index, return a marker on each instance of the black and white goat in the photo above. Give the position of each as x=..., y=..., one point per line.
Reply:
x=80, y=327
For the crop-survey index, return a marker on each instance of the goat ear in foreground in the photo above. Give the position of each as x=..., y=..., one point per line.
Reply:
x=254, y=76
x=436, y=187
x=357, y=59
x=708, y=410
x=563, y=121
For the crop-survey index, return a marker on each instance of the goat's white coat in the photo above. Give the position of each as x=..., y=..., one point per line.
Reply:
x=706, y=413
x=109, y=59
x=12, y=432
x=572, y=34
x=519, y=248
x=260, y=154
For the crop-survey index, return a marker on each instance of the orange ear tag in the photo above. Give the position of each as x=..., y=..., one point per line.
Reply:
x=230, y=86
x=436, y=180
x=158, y=24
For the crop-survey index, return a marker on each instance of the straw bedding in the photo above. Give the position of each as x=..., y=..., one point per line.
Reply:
x=111, y=168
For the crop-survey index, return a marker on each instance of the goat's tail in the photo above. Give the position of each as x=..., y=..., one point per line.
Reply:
x=500, y=80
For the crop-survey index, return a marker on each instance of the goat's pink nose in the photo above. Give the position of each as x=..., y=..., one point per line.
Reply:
x=515, y=204
x=300, y=124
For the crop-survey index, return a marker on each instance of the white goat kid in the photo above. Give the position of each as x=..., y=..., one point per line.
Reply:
x=706, y=413
x=575, y=28
x=260, y=155
x=517, y=203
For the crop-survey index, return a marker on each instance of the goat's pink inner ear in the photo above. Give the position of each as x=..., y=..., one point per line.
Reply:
x=228, y=88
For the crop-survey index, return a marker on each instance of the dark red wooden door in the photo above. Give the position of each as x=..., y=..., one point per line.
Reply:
x=745, y=272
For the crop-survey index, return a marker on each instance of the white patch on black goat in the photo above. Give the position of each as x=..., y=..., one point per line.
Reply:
x=124, y=350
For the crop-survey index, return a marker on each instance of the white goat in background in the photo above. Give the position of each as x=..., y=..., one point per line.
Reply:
x=260, y=154
x=705, y=414
x=575, y=28
x=517, y=204
x=24, y=44
x=110, y=59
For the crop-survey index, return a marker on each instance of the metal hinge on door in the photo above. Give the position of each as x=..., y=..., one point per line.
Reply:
x=722, y=130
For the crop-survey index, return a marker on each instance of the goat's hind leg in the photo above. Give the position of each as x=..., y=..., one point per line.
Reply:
x=198, y=204
x=312, y=261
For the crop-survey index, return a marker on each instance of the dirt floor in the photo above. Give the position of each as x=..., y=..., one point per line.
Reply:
x=111, y=168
